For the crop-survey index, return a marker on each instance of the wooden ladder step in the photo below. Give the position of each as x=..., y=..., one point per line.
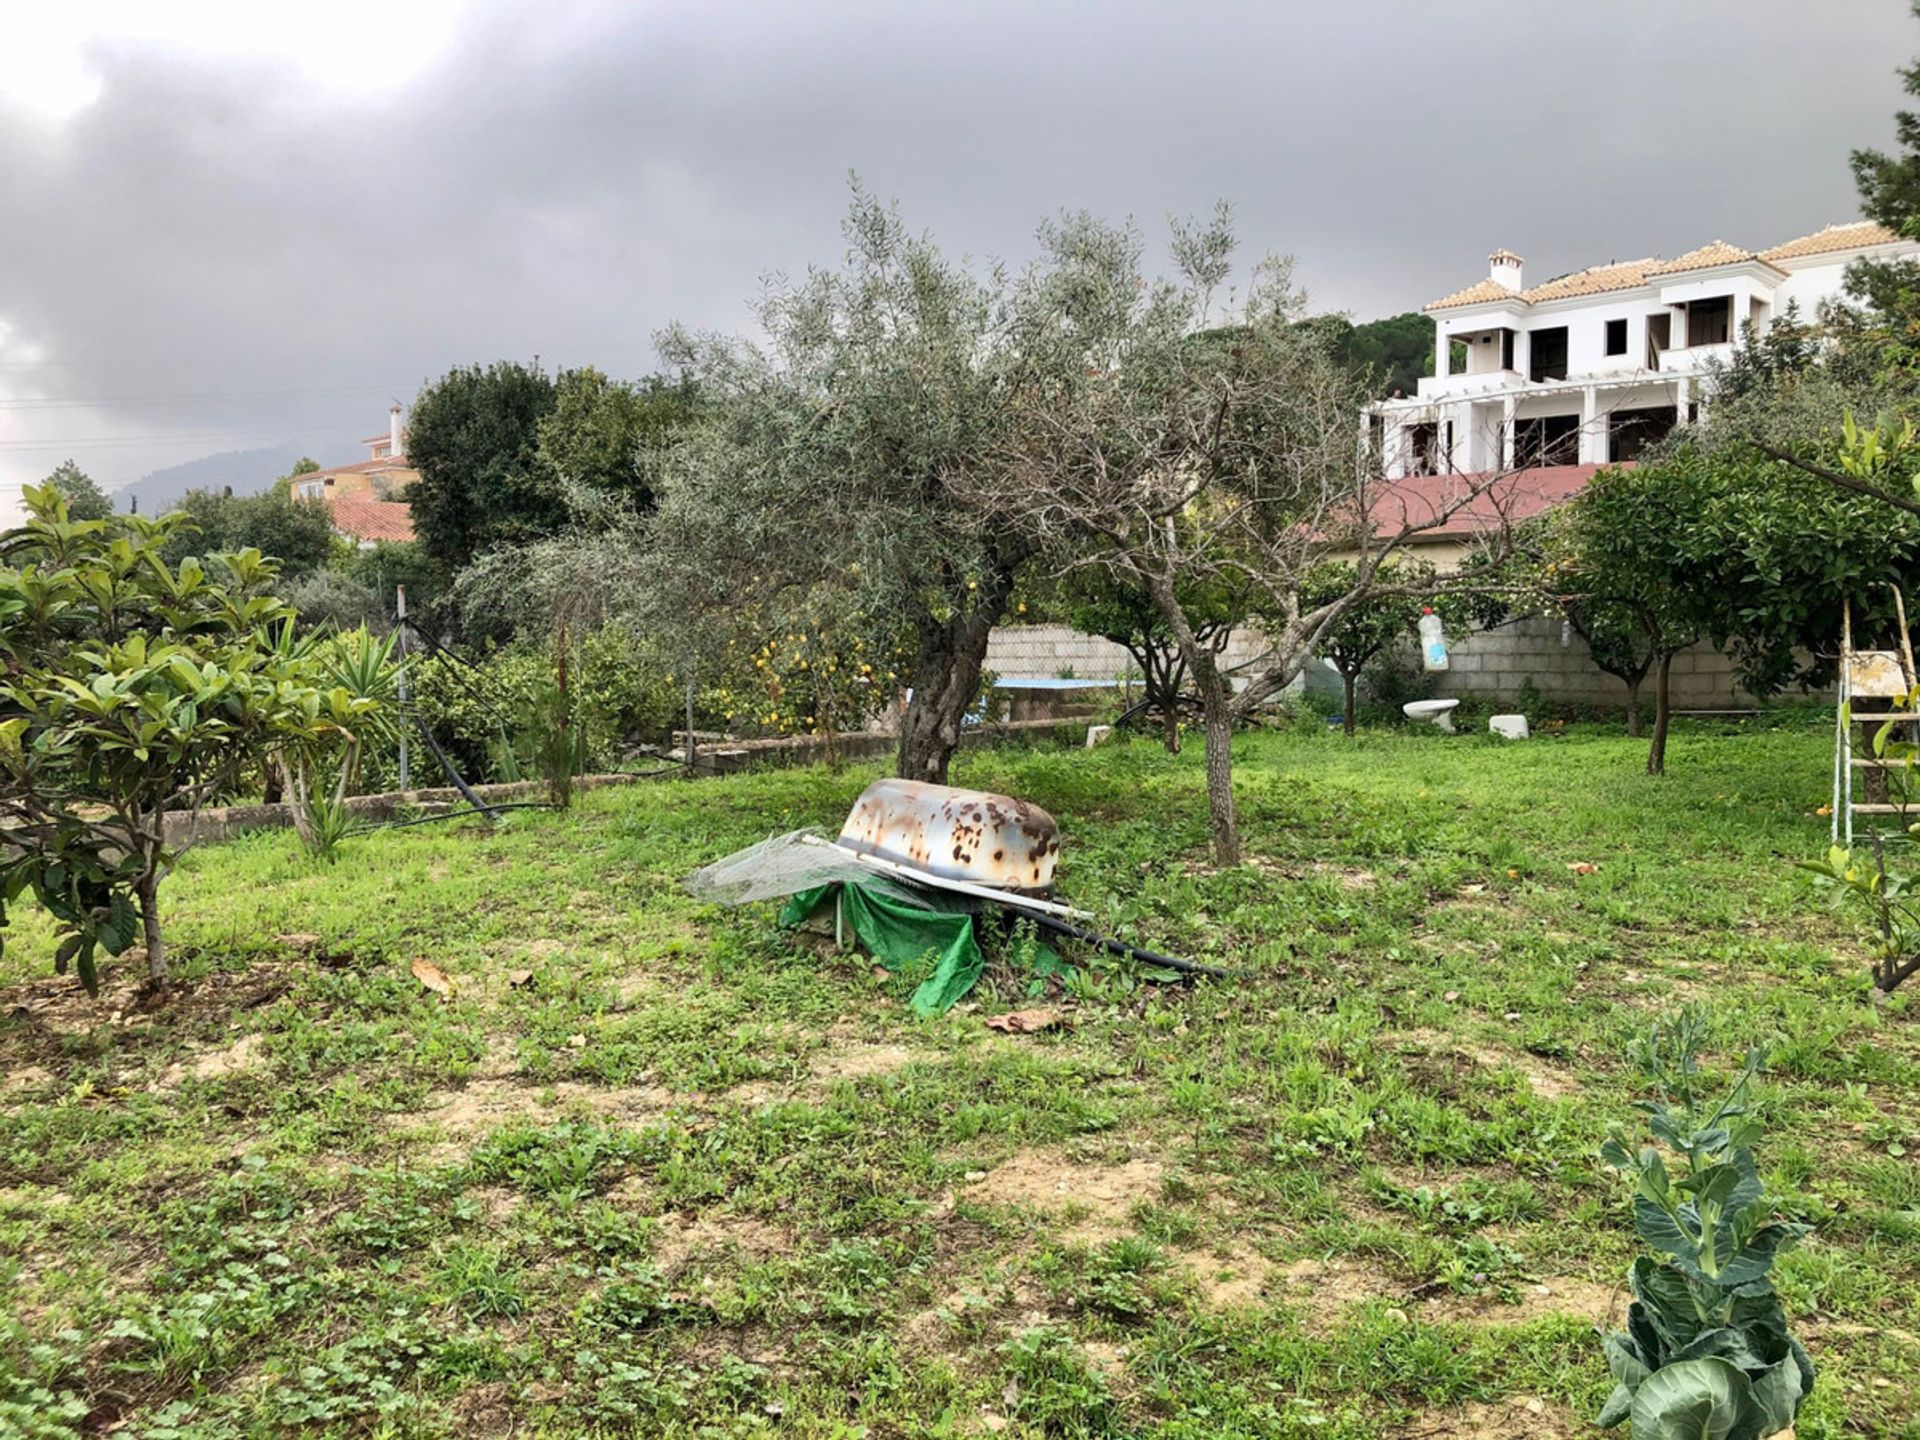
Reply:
x=1864, y=718
x=1863, y=763
x=1876, y=809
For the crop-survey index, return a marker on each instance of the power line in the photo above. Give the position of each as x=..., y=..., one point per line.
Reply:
x=77, y=402
x=215, y=437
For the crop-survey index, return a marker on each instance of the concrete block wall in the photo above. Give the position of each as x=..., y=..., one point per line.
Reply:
x=1042, y=652
x=1493, y=663
x=1498, y=662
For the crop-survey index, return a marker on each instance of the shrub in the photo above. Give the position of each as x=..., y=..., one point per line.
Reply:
x=135, y=690
x=327, y=598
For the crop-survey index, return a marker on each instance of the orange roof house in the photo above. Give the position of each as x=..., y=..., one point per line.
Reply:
x=367, y=498
x=384, y=476
x=369, y=521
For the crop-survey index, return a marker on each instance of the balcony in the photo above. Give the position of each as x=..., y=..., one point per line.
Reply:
x=1455, y=387
x=1695, y=358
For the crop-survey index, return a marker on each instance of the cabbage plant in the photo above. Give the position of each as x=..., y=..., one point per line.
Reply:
x=1706, y=1354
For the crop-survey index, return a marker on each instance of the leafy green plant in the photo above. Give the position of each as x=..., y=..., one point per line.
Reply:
x=1706, y=1350
x=549, y=743
x=1864, y=883
x=135, y=690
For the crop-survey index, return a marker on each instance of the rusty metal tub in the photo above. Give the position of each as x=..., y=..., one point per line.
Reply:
x=968, y=835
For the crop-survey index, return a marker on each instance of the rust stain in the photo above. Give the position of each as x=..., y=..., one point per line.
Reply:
x=991, y=839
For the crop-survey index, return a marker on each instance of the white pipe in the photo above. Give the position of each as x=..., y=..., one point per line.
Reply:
x=962, y=887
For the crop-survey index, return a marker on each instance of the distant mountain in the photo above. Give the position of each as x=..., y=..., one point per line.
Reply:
x=247, y=471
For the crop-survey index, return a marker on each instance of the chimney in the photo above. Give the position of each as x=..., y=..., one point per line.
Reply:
x=396, y=438
x=1503, y=268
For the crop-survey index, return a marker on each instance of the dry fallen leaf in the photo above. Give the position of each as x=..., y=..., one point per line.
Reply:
x=433, y=977
x=578, y=1042
x=1024, y=1022
x=300, y=941
x=517, y=978
x=1451, y=996
x=1582, y=867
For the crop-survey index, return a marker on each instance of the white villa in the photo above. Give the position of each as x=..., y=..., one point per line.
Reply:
x=1587, y=368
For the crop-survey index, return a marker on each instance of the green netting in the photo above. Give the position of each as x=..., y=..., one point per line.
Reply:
x=900, y=931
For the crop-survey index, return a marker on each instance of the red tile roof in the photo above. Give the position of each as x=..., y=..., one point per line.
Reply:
x=364, y=519
x=1419, y=499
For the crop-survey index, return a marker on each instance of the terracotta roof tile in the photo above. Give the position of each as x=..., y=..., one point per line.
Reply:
x=1855, y=234
x=1718, y=253
x=1595, y=280
x=1487, y=292
x=1629, y=274
x=365, y=519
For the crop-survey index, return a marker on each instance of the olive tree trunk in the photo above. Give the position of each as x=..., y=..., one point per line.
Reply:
x=1222, y=819
x=946, y=681
x=1634, y=727
x=1346, y=720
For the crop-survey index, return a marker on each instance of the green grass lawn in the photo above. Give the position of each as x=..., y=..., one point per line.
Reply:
x=662, y=1169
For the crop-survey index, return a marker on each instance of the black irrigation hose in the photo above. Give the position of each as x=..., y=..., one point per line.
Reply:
x=447, y=815
x=1120, y=947
x=466, y=790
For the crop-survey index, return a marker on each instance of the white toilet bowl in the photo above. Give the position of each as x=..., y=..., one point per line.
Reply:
x=1440, y=712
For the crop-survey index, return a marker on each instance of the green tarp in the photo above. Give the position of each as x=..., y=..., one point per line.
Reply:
x=899, y=933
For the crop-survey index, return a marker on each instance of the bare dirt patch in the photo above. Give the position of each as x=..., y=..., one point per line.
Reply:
x=862, y=1061
x=1580, y=1299
x=1519, y=1417
x=469, y=1114
x=1231, y=1278
x=851, y=1062
x=217, y=1063
x=19, y=1079
x=685, y=1238
x=485, y=1410
x=1545, y=1078
x=1099, y=1197
x=55, y=1007
x=1324, y=1288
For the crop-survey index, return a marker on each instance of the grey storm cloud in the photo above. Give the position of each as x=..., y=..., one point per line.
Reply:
x=218, y=254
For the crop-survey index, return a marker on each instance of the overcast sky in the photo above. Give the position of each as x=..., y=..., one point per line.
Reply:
x=234, y=224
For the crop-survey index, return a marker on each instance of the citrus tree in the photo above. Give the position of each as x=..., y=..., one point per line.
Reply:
x=134, y=691
x=1100, y=601
x=1368, y=626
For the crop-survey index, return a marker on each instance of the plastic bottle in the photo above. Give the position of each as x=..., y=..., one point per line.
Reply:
x=1433, y=641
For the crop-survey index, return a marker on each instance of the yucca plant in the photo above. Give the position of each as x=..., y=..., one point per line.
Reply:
x=1706, y=1354
x=358, y=669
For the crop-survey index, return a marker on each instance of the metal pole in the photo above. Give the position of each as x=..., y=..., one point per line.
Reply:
x=689, y=724
x=400, y=681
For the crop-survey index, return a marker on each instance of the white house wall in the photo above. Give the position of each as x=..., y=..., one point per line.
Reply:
x=1482, y=403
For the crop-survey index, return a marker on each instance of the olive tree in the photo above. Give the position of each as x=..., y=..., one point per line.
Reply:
x=844, y=452
x=134, y=690
x=1173, y=449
